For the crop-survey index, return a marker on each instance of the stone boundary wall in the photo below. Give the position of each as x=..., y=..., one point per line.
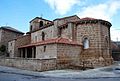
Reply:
x=30, y=64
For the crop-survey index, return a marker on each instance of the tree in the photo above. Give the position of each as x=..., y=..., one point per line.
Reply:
x=2, y=48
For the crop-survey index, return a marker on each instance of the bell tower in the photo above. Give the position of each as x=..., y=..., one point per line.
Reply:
x=38, y=23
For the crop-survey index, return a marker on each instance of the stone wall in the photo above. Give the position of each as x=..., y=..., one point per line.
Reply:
x=68, y=55
x=98, y=53
x=46, y=51
x=92, y=32
x=8, y=36
x=23, y=40
x=62, y=21
x=64, y=32
x=29, y=64
x=37, y=36
x=16, y=43
x=66, y=19
x=35, y=23
x=106, y=41
x=68, y=31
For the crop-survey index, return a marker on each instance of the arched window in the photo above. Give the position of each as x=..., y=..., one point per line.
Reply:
x=41, y=24
x=86, y=43
x=43, y=36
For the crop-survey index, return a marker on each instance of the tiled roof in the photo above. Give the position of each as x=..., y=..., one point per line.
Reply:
x=80, y=21
x=52, y=41
x=66, y=17
x=87, y=18
x=40, y=18
x=93, y=20
x=11, y=29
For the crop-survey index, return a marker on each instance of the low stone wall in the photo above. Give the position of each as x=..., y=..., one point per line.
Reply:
x=29, y=64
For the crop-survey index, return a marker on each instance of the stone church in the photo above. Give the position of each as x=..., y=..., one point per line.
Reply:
x=69, y=42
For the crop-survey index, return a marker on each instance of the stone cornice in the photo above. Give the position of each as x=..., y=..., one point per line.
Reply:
x=94, y=21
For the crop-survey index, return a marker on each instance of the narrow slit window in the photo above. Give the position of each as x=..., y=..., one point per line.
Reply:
x=41, y=23
x=43, y=36
x=44, y=48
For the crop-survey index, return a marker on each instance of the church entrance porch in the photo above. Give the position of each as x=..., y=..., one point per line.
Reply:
x=27, y=52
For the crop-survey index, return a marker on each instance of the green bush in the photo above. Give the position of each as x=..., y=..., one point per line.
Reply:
x=2, y=48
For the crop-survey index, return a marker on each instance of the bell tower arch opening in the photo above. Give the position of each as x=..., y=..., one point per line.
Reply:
x=41, y=24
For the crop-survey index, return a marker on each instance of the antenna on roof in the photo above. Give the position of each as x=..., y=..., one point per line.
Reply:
x=41, y=15
x=6, y=24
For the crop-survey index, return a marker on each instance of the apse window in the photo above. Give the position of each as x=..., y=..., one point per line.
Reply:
x=86, y=43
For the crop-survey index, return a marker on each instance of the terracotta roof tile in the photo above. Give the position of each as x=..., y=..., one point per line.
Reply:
x=51, y=41
x=87, y=18
x=40, y=18
x=66, y=17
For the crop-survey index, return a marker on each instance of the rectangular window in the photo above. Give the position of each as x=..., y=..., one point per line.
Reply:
x=35, y=38
x=44, y=48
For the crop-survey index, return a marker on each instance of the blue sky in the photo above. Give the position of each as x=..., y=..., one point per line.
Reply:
x=18, y=13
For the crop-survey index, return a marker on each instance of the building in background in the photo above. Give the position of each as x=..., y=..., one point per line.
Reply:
x=116, y=50
x=8, y=33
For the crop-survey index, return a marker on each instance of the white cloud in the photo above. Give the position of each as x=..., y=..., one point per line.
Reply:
x=115, y=34
x=62, y=6
x=105, y=10
x=101, y=11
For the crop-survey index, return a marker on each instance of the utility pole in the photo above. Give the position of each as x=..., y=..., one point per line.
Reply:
x=117, y=38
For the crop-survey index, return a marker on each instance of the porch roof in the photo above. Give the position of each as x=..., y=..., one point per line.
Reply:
x=52, y=41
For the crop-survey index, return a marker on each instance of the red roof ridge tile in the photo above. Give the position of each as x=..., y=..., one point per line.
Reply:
x=87, y=18
x=66, y=17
